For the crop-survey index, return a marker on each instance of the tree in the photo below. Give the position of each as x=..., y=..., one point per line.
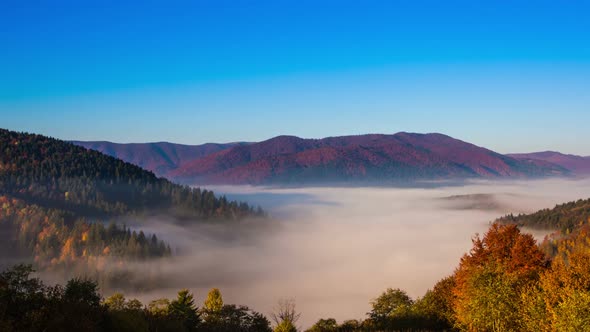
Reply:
x=134, y=305
x=285, y=316
x=390, y=303
x=559, y=301
x=324, y=325
x=494, y=301
x=21, y=298
x=214, y=302
x=183, y=308
x=350, y=325
x=159, y=307
x=232, y=318
x=82, y=292
x=435, y=309
x=82, y=300
x=115, y=302
x=490, y=279
x=286, y=326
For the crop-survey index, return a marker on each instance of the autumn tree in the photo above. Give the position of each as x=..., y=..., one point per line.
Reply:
x=560, y=300
x=213, y=305
x=286, y=326
x=491, y=278
x=115, y=301
x=435, y=308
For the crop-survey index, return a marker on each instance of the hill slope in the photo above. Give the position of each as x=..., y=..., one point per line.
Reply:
x=160, y=157
x=576, y=164
x=54, y=173
x=348, y=159
x=564, y=217
x=61, y=206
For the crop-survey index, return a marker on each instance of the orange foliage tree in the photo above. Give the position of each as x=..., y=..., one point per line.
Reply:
x=490, y=279
x=560, y=301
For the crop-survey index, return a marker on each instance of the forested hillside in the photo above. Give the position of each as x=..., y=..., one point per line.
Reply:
x=564, y=217
x=57, y=174
x=62, y=207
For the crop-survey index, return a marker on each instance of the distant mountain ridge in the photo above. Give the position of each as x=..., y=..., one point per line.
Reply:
x=576, y=164
x=158, y=157
x=370, y=159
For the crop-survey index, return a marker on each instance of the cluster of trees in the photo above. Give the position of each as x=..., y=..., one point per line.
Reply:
x=505, y=283
x=26, y=304
x=563, y=217
x=57, y=174
x=33, y=231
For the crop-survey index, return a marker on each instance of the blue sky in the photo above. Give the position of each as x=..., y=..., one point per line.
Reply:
x=508, y=75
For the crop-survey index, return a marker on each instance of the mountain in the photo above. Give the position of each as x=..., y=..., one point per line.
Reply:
x=372, y=159
x=59, y=174
x=576, y=164
x=160, y=157
x=362, y=159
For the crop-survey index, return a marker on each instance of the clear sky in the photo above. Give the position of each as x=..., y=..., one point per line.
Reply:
x=513, y=76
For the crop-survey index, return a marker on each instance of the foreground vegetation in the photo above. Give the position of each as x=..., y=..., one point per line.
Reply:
x=26, y=304
x=505, y=283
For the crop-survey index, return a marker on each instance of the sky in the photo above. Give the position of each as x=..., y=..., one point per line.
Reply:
x=513, y=76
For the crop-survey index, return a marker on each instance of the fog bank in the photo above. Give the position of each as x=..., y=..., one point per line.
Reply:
x=334, y=249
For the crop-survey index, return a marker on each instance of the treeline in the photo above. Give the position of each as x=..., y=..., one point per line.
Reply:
x=33, y=231
x=57, y=174
x=26, y=304
x=563, y=217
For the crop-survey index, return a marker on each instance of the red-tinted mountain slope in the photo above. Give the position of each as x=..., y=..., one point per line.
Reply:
x=159, y=158
x=364, y=158
x=577, y=164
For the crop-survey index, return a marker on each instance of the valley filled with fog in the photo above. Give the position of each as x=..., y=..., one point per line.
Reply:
x=335, y=249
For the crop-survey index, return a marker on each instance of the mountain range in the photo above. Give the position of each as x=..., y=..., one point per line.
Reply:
x=360, y=159
x=159, y=157
x=576, y=164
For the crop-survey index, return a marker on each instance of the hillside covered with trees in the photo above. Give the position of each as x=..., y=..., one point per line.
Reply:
x=62, y=206
x=563, y=217
x=57, y=174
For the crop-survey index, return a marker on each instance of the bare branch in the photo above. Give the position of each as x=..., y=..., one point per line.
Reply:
x=285, y=310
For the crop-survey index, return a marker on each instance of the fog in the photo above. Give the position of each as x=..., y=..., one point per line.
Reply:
x=335, y=249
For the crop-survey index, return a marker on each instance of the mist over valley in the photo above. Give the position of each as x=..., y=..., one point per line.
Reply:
x=335, y=249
